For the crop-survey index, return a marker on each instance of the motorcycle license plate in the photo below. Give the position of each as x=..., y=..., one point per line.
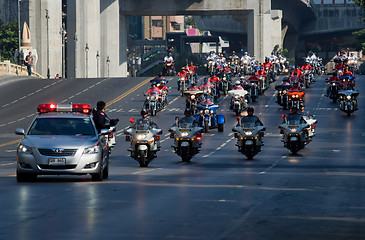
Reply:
x=141, y=131
x=184, y=130
x=57, y=161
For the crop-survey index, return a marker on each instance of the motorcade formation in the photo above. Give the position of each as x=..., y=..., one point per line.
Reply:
x=62, y=139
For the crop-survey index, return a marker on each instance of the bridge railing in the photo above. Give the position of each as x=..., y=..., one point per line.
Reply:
x=14, y=69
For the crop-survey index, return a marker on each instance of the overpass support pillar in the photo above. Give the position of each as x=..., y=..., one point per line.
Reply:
x=113, y=50
x=259, y=35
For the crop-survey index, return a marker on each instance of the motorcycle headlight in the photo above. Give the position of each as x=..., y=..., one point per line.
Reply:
x=91, y=150
x=201, y=111
x=293, y=130
x=182, y=79
x=248, y=133
x=192, y=96
x=141, y=136
x=348, y=97
x=284, y=91
x=206, y=111
x=211, y=111
x=25, y=149
x=333, y=84
x=224, y=78
x=184, y=134
x=277, y=61
x=148, y=97
x=153, y=97
x=236, y=96
x=245, y=62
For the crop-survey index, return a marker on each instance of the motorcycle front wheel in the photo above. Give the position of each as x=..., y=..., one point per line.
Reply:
x=142, y=159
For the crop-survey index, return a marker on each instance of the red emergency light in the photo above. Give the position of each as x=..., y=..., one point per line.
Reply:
x=51, y=107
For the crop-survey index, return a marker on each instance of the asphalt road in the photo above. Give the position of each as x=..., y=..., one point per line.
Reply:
x=317, y=194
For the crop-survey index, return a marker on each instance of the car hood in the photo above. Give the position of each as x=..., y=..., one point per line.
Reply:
x=59, y=141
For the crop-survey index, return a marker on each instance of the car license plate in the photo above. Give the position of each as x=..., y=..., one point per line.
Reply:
x=57, y=161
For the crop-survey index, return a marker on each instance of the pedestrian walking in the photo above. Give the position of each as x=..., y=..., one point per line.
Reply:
x=29, y=63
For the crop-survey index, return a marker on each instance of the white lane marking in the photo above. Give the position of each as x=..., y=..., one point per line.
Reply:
x=273, y=165
x=218, y=148
x=7, y=164
x=145, y=171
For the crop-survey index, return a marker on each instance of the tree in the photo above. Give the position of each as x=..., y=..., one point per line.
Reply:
x=8, y=40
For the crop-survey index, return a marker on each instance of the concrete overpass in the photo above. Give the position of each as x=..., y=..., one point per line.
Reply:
x=97, y=29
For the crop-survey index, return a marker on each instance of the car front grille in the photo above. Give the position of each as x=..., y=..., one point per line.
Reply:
x=44, y=166
x=57, y=152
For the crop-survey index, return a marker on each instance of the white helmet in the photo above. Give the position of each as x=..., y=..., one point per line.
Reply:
x=238, y=82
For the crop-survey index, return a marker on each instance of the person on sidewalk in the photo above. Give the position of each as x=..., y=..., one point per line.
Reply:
x=29, y=63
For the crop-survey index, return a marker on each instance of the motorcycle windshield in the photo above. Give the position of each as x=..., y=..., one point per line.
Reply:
x=187, y=122
x=294, y=119
x=155, y=94
x=143, y=125
x=250, y=122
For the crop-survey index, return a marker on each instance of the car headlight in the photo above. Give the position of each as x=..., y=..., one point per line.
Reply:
x=141, y=136
x=91, y=150
x=25, y=149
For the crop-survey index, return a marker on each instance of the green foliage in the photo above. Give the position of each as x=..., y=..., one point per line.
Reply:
x=190, y=21
x=8, y=40
x=360, y=43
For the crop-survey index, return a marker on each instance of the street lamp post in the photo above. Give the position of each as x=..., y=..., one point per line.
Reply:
x=63, y=34
x=87, y=60
x=97, y=63
x=75, y=39
x=108, y=62
x=47, y=17
x=19, y=62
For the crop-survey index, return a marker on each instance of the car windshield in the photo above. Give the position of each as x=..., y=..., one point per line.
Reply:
x=62, y=126
x=250, y=122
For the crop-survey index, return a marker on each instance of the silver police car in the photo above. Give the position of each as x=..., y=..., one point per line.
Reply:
x=62, y=139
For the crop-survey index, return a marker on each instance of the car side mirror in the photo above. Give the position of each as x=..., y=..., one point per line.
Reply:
x=19, y=131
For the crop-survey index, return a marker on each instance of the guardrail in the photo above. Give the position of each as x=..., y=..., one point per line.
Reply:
x=13, y=69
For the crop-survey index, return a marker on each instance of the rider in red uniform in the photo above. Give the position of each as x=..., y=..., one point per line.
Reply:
x=347, y=72
x=297, y=72
x=153, y=88
x=306, y=66
x=261, y=72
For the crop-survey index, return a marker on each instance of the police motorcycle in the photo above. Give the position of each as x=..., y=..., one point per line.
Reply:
x=187, y=138
x=207, y=117
x=249, y=134
x=225, y=84
x=348, y=101
x=144, y=139
x=238, y=102
x=281, y=97
x=297, y=131
x=192, y=99
x=246, y=67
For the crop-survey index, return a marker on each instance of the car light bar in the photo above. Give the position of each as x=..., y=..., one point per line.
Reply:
x=51, y=107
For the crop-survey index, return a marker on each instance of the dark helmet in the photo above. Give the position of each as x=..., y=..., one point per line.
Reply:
x=160, y=75
x=100, y=105
x=266, y=59
x=144, y=112
x=187, y=112
x=153, y=84
x=250, y=109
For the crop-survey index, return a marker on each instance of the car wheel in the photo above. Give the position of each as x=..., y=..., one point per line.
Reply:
x=98, y=176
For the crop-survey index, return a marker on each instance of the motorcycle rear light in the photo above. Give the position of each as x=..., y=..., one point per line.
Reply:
x=111, y=135
x=238, y=119
x=172, y=135
x=199, y=136
x=283, y=116
x=127, y=138
x=281, y=131
x=157, y=138
x=262, y=134
x=313, y=126
x=131, y=120
x=236, y=135
x=176, y=118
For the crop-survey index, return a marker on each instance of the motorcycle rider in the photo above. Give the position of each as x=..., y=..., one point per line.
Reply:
x=346, y=72
x=306, y=66
x=100, y=118
x=206, y=84
x=332, y=79
x=168, y=59
x=188, y=118
x=238, y=86
x=153, y=88
x=193, y=87
x=183, y=74
x=193, y=69
x=246, y=56
x=146, y=120
x=261, y=73
x=250, y=111
x=297, y=72
x=295, y=87
x=233, y=57
x=340, y=66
